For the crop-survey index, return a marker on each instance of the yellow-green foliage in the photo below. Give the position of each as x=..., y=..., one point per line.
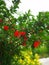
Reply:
x=26, y=58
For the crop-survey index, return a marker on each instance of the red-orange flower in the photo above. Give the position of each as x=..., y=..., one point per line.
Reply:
x=6, y=28
x=24, y=43
x=0, y=20
x=36, y=44
x=23, y=33
x=16, y=33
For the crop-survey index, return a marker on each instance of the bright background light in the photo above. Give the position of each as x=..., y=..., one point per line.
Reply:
x=34, y=5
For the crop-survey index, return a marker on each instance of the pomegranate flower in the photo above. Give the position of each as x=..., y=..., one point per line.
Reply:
x=16, y=33
x=36, y=44
x=6, y=28
x=23, y=33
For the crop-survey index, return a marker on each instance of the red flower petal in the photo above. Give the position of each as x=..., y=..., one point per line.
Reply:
x=16, y=33
x=23, y=33
x=6, y=28
x=36, y=44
